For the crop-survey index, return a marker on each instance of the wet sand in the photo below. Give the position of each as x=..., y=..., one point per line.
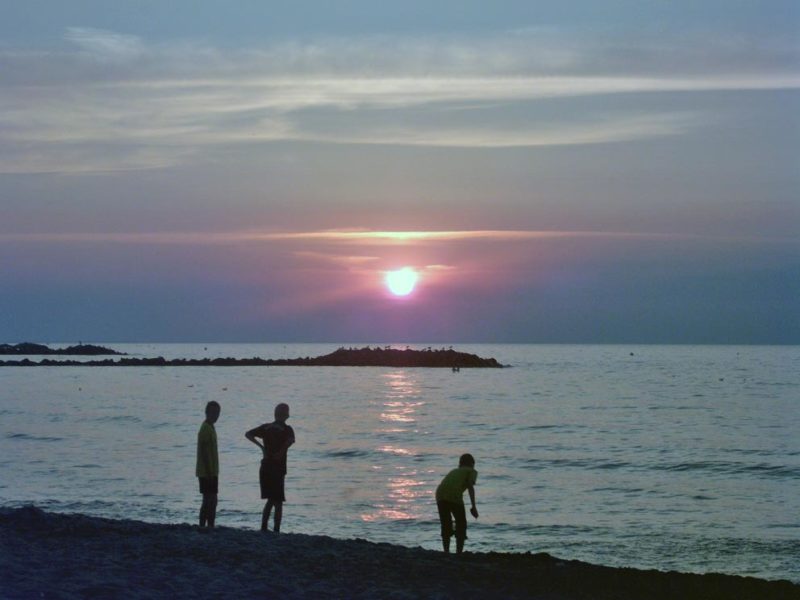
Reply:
x=47, y=555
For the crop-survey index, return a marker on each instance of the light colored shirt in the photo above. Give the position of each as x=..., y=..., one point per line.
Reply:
x=452, y=487
x=207, y=457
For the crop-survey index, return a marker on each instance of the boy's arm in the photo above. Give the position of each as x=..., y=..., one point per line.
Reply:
x=473, y=510
x=251, y=435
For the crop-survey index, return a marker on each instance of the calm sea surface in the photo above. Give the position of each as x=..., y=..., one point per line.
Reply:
x=666, y=457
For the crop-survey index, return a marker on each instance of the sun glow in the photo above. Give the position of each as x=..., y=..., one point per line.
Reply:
x=402, y=281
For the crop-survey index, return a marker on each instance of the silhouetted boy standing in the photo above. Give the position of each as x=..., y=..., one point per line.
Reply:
x=276, y=438
x=207, y=469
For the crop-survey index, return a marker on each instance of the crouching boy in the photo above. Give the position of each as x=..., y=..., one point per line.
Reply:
x=450, y=501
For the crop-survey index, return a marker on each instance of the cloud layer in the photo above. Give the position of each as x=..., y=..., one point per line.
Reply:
x=108, y=101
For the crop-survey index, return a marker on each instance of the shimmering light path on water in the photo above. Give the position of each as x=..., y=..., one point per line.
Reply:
x=662, y=457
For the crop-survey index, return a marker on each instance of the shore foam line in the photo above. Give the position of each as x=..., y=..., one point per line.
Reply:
x=49, y=555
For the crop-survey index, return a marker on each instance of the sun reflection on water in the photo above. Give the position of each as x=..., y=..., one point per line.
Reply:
x=401, y=497
x=401, y=500
x=396, y=451
x=400, y=412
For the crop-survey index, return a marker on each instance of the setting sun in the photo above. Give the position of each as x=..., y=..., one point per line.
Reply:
x=402, y=281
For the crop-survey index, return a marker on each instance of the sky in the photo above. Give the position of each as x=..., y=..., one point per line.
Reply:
x=250, y=171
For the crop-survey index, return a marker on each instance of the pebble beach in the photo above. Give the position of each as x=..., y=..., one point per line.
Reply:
x=71, y=556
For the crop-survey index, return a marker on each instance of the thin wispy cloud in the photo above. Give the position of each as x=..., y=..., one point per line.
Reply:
x=106, y=45
x=112, y=101
x=352, y=237
x=348, y=261
x=528, y=51
x=602, y=132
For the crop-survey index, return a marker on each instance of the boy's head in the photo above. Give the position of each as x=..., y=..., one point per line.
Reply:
x=466, y=460
x=212, y=411
x=282, y=412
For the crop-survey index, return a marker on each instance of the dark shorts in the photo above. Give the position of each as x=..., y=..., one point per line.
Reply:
x=209, y=485
x=449, y=511
x=271, y=476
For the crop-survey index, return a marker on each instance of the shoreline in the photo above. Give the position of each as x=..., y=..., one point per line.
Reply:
x=52, y=555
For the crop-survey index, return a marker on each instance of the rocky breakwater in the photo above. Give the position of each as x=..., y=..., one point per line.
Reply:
x=30, y=349
x=394, y=357
x=342, y=357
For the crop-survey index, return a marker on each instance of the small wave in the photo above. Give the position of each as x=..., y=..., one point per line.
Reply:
x=624, y=490
x=717, y=467
x=580, y=463
x=680, y=406
x=33, y=438
x=777, y=384
x=753, y=452
x=775, y=470
x=99, y=480
x=119, y=419
x=560, y=530
x=509, y=528
x=346, y=453
x=762, y=469
x=497, y=477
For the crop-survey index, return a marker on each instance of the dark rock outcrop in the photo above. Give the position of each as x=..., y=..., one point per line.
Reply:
x=27, y=348
x=343, y=357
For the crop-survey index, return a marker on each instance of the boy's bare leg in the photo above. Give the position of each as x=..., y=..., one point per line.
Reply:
x=208, y=510
x=211, y=513
x=459, y=545
x=278, y=517
x=446, y=544
x=265, y=515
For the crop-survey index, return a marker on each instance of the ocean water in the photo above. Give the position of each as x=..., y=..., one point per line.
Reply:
x=665, y=457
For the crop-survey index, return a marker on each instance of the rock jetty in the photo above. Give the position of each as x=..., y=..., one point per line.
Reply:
x=343, y=357
x=27, y=348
